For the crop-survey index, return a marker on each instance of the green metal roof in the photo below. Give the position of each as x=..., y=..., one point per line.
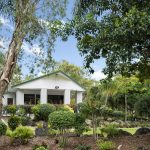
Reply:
x=47, y=76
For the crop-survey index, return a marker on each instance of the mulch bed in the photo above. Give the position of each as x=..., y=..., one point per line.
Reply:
x=127, y=142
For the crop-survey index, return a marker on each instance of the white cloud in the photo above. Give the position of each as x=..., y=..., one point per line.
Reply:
x=34, y=49
x=6, y=22
x=98, y=75
x=3, y=20
x=2, y=44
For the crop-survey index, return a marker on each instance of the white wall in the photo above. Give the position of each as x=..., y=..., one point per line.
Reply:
x=51, y=82
x=79, y=97
x=43, y=98
x=19, y=97
x=67, y=97
x=8, y=95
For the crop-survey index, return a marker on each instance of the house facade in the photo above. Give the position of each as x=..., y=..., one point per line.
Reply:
x=54, y=88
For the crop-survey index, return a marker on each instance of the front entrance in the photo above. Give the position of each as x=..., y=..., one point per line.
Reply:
x=55, y=99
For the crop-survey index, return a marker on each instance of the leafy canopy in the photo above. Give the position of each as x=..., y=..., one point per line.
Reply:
x=115, y=30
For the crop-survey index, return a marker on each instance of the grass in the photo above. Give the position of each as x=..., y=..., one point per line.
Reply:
x=130, y=130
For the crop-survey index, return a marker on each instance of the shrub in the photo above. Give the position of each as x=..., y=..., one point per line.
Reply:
x=65, y=108
x=83, y=147
x=23, y=134
x=3, y=128
x=21, y=112
x=105, y=145
x=42, y=146
x=13, y=122
x=118, y=114
x=110, y=130
x=27, y=108
x=11, y=109
x=62, y=120
x=9, y=133
x=24, y=120
x=42, y=111
x=80, y=125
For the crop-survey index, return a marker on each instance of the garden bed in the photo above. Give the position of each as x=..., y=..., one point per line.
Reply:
x=128, y=142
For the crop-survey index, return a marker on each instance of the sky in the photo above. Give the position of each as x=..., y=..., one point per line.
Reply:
x=62, y=51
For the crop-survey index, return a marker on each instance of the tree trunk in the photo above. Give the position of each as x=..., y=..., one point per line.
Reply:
x=126, y=107
x=10, y=62
x=106, y=100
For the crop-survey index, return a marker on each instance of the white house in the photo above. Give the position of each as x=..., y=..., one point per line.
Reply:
x=52, y=88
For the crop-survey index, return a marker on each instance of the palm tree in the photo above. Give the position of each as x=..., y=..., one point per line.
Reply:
x=108, y=89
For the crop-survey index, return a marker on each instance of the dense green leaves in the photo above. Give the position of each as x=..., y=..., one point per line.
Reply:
x=142, y=106
x=62, y=119
x=42, y=111
x=116, y=30
x=3, y=128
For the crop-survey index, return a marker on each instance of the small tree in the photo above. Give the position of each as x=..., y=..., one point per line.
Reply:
x=92, y=107
x=62, y=120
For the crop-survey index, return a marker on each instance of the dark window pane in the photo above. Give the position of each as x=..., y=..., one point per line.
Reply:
x=56, y=99
x=10, y=101
x=31, y=99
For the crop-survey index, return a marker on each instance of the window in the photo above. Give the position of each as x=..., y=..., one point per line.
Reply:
x=55, y=99
x=10, y=101
x=31, y=99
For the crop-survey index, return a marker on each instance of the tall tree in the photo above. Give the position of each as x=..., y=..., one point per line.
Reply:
x=33, y=21
x=127, y=85
x=108, y=89
x=116, y=30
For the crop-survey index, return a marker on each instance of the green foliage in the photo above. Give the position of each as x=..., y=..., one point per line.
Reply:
x=42, y=111
x=27, y=108
x=42, y=146
x=105, y=145
x=65, y=108
x=11, y=109
x=80, y=125
x=77, y=73
x=3, y=128
x=110, y=130
x=24, y=120
x=23, y=133
x=120, y=32
x=13, y=122
x=142, y=106
x=83, y=147
x=21, y=112
x=118, y=114
x=9, y=133
x=61, y=119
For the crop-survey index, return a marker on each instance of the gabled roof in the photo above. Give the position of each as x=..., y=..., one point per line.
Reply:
x=47, y=76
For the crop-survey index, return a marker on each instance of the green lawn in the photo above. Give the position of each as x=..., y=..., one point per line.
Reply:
x=130, y=130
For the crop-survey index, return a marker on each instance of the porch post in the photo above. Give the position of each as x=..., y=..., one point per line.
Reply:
x=67, y=96
x=78, y=97
x=43, y=97
x=19, y=97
